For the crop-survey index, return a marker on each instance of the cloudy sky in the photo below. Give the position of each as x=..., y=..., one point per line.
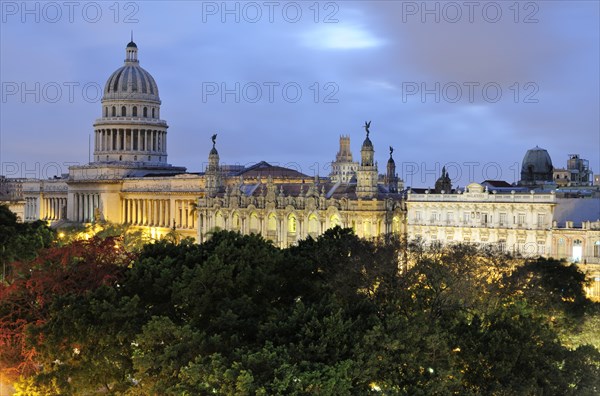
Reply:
x=472, y=85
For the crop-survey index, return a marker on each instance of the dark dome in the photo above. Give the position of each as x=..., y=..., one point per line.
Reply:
x=131, y=44
x=367, y=144
x=536, y=166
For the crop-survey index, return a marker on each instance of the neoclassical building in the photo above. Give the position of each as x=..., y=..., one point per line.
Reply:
x=131, y=182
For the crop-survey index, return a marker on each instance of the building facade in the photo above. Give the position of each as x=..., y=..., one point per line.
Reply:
x=130, y=182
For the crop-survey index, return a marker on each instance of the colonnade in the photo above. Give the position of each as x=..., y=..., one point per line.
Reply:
x=31, y=209
x=85, y=207
x=53, y=208
x=128, y=139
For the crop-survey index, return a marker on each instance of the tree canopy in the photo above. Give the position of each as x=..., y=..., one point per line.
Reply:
x=333, y=316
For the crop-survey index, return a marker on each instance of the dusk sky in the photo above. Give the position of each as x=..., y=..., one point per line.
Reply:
x=500, y=78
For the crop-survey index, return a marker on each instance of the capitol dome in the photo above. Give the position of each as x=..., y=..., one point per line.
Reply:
x=130, y=130
x=536, y=166
x=131, y=81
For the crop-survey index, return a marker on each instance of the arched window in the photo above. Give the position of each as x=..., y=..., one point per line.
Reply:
x=235, y=222
x=114, y=111
x=272, y=223
x=134, y=111
x=145, y=111
x=106, y=112
x=366, y=228
x=254, y=223
x=562, y=249
x=120, y=158
x=292, y=224
x=396, y=225
x=152, y=113
x=219, y=221
x=597, y=249
x=123, y=111
x=313, y=225
x=334, y=221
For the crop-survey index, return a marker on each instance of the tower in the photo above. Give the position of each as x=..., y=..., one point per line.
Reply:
x=391, y=180
x=366, y=183
x=130, y=130
x=213, y=170
x=343, y=168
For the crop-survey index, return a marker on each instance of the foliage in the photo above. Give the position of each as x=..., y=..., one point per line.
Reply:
x=20, y=241
x=333, y=316
x=27, y=296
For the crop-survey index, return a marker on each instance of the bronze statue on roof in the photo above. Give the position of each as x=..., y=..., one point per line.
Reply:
x=367, y=126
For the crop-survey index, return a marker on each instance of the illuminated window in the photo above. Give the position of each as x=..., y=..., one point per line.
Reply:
x=561, y=247
x=597, y=249
x=219, y=221
x=541, y=247
x=396, y=225
x=254, y=223
x=292, y=224
x=366, y=228
x=313, y=225
x=272, y=223
x=334, y=220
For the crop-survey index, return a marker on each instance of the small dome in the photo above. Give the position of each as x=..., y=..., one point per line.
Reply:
x=213, y=151
x=536, y=166
x=131, y=44
x=367, y=144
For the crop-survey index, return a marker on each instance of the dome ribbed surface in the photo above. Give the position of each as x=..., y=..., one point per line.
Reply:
x=129, y=81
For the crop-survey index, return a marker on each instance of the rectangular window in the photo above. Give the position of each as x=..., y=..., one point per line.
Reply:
x=541, y=247
x=597, y=249
x=502, y=245
x=450, y=217
x=466, y=217
x=418, y=215
x=502, y=219
x=521, y=219
x=541, y=220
